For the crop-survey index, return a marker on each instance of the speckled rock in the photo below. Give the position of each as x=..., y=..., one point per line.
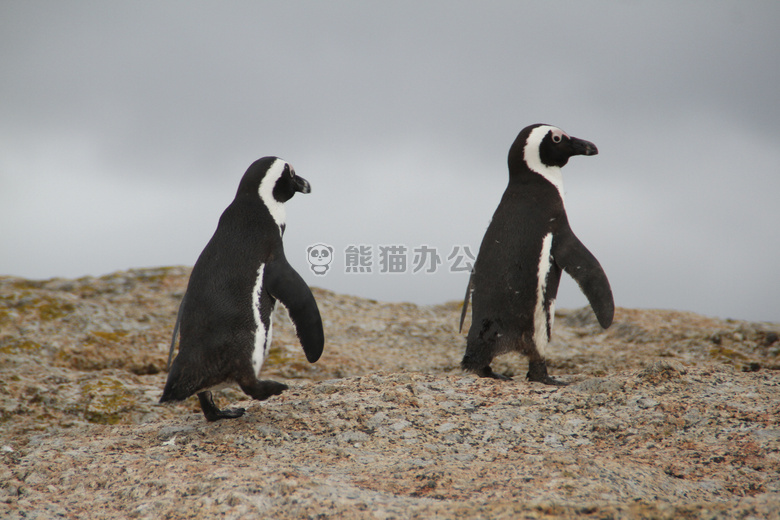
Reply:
x=668, y=415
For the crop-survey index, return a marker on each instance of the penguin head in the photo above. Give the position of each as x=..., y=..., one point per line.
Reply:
x=274, y=182
x=540, y=148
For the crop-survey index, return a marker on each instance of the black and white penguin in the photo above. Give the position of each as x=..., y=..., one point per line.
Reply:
x=515, y=278
x=225, y=317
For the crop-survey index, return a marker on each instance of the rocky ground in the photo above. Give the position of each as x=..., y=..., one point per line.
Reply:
x=668, y=415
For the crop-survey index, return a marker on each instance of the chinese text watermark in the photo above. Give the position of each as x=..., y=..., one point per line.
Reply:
x=390, y=259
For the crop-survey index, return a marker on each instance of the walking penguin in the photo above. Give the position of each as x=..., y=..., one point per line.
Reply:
x=515, y=278
x=225, y=317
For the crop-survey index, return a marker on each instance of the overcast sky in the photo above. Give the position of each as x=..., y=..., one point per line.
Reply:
x=125, y=128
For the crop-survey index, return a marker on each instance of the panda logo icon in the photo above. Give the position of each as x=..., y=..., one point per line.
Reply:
x=319, y=256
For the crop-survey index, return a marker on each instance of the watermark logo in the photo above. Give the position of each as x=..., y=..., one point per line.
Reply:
x=320, y=256
x=391, y=259
x=358, y=259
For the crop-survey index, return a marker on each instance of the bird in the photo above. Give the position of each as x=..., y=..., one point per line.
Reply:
x=514, y=280
x=225, y=316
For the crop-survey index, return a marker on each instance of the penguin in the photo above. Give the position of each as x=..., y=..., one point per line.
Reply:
x=225, y=317
x=514, y=281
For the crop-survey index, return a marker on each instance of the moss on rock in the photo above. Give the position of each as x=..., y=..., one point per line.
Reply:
x=107, y=399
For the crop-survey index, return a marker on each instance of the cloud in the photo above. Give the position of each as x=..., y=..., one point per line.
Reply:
x=125, y=129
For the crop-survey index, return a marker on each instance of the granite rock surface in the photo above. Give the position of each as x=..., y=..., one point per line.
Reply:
x=667, y=415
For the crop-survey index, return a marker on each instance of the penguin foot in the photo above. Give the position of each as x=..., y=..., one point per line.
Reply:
x=488, y=372
x=262, y=390
x=476, y=364
x=537, y=372
x=212, y=412
x=553, y=382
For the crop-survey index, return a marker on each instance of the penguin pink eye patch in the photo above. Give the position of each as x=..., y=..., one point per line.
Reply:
x=558, y=134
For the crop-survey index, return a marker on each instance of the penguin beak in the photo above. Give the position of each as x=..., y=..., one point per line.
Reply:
x=583, y=147
x=301, y=185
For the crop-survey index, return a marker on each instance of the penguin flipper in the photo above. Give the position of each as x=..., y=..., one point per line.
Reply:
x=469, y=290
x=573, y=257
x=287, y=286
x=175, y=332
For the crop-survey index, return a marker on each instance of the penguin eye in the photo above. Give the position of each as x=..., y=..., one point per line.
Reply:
x=556, y=138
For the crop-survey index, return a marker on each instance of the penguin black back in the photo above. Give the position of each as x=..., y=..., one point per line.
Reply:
x=225, y=318
x=526, y=246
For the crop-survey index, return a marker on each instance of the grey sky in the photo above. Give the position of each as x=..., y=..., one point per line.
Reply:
x=125, y=128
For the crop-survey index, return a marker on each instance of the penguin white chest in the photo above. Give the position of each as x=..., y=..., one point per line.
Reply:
x=543, y=314
x=262, y=335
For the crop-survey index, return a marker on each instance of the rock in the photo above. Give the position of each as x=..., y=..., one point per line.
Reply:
x=662, y=371
x=659, y=421
x=106, y=399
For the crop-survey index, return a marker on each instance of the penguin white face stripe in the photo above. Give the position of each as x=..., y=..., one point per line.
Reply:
x=259, y=351
x=534, y=161
x=541, y=317
x=267, y=192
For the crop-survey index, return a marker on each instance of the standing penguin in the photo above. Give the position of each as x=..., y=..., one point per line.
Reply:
x=515, y=278
x=225, y=315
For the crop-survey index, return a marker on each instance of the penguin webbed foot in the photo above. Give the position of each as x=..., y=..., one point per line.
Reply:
x=212, y=412
x=537, y=372
x=261, y=390
x=488, y=372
